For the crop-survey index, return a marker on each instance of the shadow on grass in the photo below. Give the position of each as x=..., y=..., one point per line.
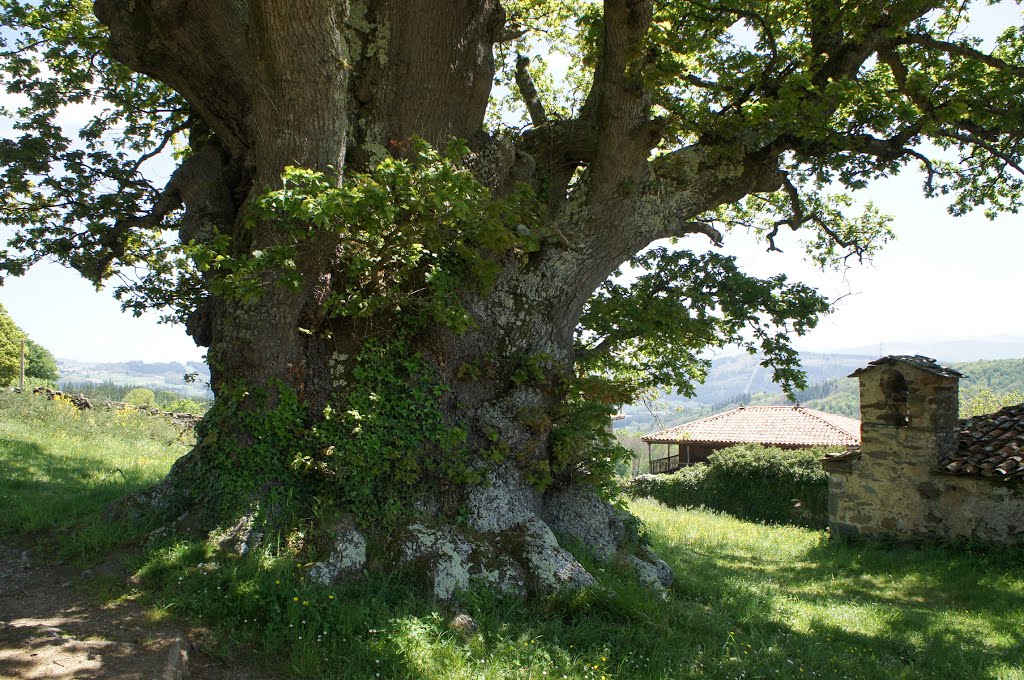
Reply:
x=725, y=618
x=930, y=611
x=931, y=576
x=42, y=492
x=834, y=610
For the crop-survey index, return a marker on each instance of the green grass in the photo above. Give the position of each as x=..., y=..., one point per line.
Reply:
x=750, y=601
x=60, y=467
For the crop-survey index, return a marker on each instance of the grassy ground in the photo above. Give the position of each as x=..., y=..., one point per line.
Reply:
x=751, y=601
x=60, y=467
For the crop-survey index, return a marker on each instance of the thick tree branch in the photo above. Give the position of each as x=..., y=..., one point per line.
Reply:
x=885, y=149
x=199, y=49
x=559, y=147
x=169, y=200
x=795, y=221
x=528, y=90
x=110, y=246
x=605, y=347
x=961, y=50
x=668, y=202
x=619, y=103
x=696, y=81
x=845, y=59
x=684, y=184
x=929, y=167
x=695, y=227
x=511, y=34
x=888, y=56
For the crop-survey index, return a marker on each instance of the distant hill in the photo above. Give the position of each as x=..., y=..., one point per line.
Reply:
x=737, y=380
x=948, y=351
x=168, y=375
x=999, y=375
x=732, y=377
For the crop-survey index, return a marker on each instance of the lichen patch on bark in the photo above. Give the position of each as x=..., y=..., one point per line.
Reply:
x=347, y=558
x=505, y=502
x=578, y=513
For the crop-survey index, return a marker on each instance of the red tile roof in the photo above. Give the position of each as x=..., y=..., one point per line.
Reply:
x=990, y=446
x=785, y=425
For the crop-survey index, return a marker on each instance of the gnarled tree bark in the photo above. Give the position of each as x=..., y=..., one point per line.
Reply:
x=338, y=86
x=332, y=86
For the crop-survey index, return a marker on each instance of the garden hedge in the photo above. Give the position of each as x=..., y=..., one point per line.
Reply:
x=748, y=481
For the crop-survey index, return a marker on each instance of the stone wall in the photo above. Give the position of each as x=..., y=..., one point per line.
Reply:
x=83, y=403
x=882, y=495
x=893, y=486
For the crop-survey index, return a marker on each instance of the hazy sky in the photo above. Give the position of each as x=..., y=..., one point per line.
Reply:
x=943, y=278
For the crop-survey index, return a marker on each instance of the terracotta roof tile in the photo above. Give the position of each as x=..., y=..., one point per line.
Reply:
x=786, y=425
x=990, y=446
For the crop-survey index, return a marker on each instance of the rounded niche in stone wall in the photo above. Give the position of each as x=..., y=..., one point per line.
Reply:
x=896, y=393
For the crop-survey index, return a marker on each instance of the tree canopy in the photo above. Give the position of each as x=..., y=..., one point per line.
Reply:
x=39, y=362
x=10, y=348
x=793, y=104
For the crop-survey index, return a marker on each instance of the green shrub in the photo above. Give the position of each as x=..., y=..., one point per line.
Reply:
x=750, y=482
x=32, y=383
x=183, y=405
x=141, y=396
x=684, y=488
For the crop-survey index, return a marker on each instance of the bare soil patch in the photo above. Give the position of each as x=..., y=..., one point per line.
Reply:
x=50, y=630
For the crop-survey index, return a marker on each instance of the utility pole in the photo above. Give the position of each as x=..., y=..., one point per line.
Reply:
x=21, y=377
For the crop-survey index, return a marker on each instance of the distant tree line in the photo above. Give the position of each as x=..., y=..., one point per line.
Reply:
x=40, y=365
x=139, y=395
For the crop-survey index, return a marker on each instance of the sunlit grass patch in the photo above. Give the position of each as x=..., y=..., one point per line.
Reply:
x=750, y=600
x=60, y=467
x=857, y=609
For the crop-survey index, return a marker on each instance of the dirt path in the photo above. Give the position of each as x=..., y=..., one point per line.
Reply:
x=48, y=630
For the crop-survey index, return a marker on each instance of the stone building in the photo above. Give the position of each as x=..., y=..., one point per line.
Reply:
x=919, y=470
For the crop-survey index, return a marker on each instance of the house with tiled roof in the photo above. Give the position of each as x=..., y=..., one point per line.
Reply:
x=920, y=470
x=785, y=427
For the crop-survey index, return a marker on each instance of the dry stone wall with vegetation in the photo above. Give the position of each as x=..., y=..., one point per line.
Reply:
x=83, y=403
x=894, y=486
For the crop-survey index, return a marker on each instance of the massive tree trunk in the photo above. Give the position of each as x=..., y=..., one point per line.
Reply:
x=391, y=326
x=335, y=86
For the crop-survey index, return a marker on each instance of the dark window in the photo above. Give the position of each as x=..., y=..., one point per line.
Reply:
x=894, y=388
